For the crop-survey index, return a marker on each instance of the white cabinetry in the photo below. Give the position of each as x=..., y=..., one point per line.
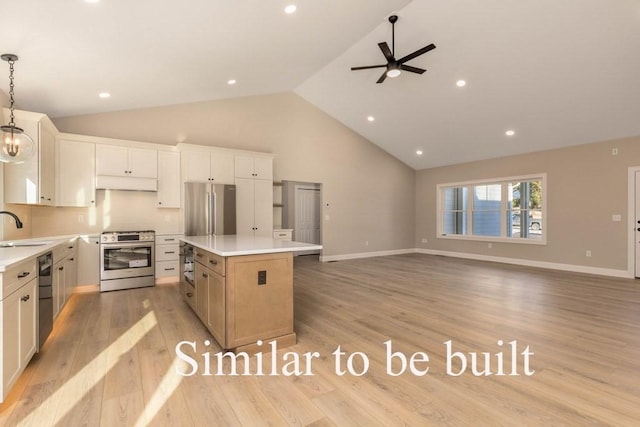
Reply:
x=167, y=256
x=64, y=274
x=18, y=333
x=76, y=173
x=33, y=182
x=168, y=179
x=113, y=160
x=207, y=166
x=254, y=207
x=254, y=195
x=254, y=167
x=88, y=265
x=126, y=168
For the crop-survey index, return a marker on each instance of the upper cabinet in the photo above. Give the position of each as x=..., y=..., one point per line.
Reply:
x=168, y=179
x=33, y=182
x=76, y=177
x=207, y=166
x=126, y=168
x=113, y=160
x=254, y=167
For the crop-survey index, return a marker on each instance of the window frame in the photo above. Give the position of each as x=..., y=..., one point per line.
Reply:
x=503, y=181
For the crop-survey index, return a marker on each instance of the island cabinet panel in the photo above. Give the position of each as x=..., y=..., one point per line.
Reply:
x=245, y=298
x=259, y=298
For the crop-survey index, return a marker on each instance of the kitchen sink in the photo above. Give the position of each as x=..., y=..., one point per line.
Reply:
x=22, y=244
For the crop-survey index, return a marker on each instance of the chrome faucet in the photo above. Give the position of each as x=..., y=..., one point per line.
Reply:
x=18, y=222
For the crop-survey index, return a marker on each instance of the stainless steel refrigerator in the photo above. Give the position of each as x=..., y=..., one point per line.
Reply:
x=209, y=209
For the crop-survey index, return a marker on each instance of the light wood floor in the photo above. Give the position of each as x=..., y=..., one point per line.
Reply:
x=110, y=360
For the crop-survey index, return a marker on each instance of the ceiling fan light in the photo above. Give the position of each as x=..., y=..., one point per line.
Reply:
x=394, y=72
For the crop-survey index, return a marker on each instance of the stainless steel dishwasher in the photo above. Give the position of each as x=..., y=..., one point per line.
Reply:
x=45, y=297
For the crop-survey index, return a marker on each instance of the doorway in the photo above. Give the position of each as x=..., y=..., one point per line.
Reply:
x=301, y=211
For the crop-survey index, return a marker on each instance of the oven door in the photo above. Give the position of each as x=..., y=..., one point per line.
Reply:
x=122, y=260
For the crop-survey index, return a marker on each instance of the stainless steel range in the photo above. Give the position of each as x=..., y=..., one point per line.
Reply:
x=127, y=260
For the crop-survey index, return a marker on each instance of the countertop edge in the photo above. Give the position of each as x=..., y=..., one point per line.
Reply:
x=257, y=251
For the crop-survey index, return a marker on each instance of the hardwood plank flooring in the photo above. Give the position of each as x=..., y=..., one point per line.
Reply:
x=111, y=359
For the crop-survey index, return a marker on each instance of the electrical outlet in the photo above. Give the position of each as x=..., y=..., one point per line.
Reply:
x=424, y=240
x=614, y=151
x=588, y=254
x=262, y=277
x=490, y=245
x=616, y=217
x=80, y=218
x=366, y=243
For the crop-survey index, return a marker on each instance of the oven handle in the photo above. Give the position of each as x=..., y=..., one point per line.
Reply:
x=111, y=245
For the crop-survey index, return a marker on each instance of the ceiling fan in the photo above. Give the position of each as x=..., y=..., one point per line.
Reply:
x=396, y=66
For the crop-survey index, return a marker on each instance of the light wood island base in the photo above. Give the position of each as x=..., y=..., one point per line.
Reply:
x=245, y=299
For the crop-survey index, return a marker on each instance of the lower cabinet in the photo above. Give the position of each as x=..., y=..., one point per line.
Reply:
x=18, y=337
x=243, y=299
x=167, y=257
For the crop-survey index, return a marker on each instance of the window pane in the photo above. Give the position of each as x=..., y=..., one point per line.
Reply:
x=454, y=222
x=487, y=208
x=455, y=198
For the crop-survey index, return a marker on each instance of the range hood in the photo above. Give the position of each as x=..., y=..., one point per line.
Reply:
x=105, y=182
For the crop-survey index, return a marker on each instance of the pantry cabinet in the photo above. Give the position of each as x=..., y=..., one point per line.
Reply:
x=76, y=173
x=254, y=207
x=33, y=182
x=254, y=167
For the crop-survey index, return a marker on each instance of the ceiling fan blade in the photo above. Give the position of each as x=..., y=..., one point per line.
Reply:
x=384, y=47
x=367, y=67
x=412, y=69
x=382, y=77
x=416, y=53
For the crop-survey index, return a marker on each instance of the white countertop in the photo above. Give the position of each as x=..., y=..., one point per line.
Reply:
x=234, y=245
x=10, y=256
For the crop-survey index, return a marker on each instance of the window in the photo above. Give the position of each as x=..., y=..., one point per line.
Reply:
x=507, y=209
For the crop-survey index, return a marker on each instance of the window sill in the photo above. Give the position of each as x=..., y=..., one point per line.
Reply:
x=519, y=241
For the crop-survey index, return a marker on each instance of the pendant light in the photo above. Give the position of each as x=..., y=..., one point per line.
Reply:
x=17, y=146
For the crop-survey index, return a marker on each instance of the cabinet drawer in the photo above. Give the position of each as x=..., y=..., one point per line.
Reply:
x=282, y=235
x=167, y=268
x=167, y=252
x=168, y=239
x=212, y=261
x=63, y=250
x=16, y=276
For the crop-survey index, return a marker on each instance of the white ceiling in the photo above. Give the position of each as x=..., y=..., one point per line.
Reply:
x=558, y=72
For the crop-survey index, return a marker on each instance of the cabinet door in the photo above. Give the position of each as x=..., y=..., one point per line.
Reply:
x=76, y=173
x=28, y=328
x=143, y=163
x=222, y=168
x=244, y=206
x=88, y=265
x=168, y=179
x=202, y=291
x=112, y=160
x=263, y=168
x=195, y=166
x=263, y=208
x=46, y=182
x=70, y=276
x=216, y=307
x=10, y=340
x=244, y=167
x=57, y=287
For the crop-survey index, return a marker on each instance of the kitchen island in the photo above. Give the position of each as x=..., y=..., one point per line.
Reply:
x=241, y=288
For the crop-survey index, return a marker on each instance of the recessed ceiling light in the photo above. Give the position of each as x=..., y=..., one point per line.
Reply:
x=104, y=95
x=419, y=152
x=461, y=83
x=231, y=82
x=290, y=9
x=371, y=119
x=510, y=132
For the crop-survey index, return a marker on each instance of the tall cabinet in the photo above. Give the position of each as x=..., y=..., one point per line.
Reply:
x=254, y=195
x=76, y=177
x=33, y=182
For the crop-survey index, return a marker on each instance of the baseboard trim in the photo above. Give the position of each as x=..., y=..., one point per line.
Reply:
x=330, y=258
x=530, y=263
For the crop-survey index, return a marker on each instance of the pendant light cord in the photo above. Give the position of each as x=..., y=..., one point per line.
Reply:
x=11, y=62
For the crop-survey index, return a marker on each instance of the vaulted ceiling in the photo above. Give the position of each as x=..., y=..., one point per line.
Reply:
x=555, y=72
